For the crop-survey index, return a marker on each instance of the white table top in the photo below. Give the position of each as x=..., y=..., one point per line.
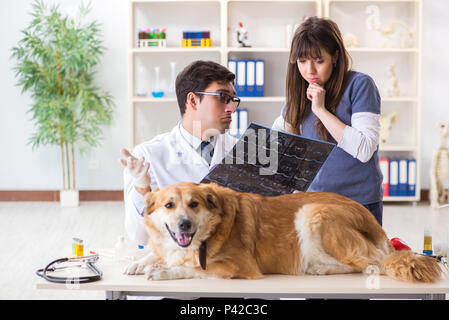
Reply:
x=277, y=285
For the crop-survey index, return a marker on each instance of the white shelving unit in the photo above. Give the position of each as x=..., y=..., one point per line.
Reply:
x=268, y=40
x=266, y=21
x=351, y=16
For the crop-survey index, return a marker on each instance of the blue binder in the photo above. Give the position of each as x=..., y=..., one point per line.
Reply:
x=394, y=178
x=403, y=177
x=243, y=121
x=234, y=127
x=260, y=78
x=250, y=78
x=411, y=177
x=232, y=66
x=241, y=78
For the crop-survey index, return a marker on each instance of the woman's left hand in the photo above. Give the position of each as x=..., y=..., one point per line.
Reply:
x=316, y=94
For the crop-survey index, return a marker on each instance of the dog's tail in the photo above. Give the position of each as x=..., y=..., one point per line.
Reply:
x=407, y=266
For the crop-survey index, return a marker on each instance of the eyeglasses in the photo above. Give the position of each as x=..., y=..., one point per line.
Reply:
x=223, y=97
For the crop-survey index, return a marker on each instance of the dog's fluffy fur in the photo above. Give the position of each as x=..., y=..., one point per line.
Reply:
x=247, y=235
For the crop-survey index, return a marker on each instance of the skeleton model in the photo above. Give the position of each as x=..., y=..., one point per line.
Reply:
x=394, y=91
x=386, y=123
x=373, y=23
x=439, y=172
x=351, y=40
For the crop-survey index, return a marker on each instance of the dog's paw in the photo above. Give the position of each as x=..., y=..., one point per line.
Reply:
x=135, y=268
x=157, y=272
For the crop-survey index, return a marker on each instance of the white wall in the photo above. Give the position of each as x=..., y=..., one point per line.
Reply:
x=23, y=169
x=20, y=167
x=435, y=84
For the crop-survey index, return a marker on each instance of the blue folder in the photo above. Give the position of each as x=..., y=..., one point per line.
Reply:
x=394, y=178
x=411, y=177
x=403, y=177
x=250, y=78
x=260, y=78
x=241, y=78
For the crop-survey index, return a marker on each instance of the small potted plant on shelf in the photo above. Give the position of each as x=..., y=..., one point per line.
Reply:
x=55, y=62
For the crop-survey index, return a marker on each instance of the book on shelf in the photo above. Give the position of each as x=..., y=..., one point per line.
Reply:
x=384, y=164
x=239, y=122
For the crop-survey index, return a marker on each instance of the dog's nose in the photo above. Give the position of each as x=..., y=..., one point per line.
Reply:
x=184, y=225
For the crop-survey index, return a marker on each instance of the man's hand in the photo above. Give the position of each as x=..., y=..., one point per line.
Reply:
x=138, y=169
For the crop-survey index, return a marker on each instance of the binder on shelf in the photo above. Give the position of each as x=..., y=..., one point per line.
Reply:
x=234, y=127
x=243, y=120
x=403, y=176
x=232, y=66
x=394, y=178
x=384, y=164
x=260, y=78
x=411, y=177
x=241, y=78
x=250, y=78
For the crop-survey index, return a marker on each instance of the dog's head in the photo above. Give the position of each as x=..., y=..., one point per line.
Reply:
x=184, y=214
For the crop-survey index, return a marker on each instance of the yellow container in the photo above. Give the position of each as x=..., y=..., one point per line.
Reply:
x=78, y=247
x=79, y=252
x=427, y=243
x=428, y=239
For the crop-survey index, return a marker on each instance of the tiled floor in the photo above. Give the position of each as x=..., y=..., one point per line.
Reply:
x=32, y=233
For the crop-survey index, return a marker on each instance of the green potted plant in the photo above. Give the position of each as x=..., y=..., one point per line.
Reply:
x=55, y=62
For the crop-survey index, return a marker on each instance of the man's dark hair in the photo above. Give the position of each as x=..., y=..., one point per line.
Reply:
x=197, y=76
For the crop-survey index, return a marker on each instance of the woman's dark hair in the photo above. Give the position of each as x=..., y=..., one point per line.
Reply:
x=311, y=36
x=197, y=76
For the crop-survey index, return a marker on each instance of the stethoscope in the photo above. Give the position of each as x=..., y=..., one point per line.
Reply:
x=88, y=262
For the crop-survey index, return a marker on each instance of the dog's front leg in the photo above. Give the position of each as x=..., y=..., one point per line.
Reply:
x=139, y=266
x=161, y=272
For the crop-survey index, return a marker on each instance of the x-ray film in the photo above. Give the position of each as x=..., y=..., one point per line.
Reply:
x=270, y=162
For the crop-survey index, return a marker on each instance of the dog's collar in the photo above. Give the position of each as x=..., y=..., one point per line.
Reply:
x=202, y=255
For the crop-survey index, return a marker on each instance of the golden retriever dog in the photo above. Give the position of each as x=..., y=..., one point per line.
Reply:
x=205, y=230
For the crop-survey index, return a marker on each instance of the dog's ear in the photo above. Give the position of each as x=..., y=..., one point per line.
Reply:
x=213, y=200
x=149, y=202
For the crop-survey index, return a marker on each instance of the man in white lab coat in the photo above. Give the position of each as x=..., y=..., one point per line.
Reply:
x=206, y=99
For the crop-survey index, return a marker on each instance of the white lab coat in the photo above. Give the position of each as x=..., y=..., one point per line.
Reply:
x=172, y=159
